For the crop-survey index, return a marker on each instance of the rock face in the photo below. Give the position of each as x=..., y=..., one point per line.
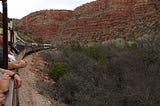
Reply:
x=103, y=19
x=96, y=21
x=45, y=23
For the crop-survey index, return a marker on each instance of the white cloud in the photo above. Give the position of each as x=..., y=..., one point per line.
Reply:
x=21, y=8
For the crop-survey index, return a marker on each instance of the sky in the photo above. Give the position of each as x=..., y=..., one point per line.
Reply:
x=20, y=8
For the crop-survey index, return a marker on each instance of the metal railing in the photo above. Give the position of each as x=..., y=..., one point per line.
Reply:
x=12, y=96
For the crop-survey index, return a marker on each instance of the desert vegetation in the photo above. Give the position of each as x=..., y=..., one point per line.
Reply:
x=107, y=74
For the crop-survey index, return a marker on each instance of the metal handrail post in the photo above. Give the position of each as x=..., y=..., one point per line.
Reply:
x=5, y=35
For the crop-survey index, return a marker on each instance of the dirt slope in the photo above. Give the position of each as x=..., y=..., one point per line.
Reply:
x=28, y=93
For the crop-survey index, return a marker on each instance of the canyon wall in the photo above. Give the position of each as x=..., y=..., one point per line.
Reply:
x=105, y=19
x=44, y=23
x=96, y=21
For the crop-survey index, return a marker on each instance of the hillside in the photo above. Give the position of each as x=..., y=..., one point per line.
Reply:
x=117, y=74
x=44, y=23
x=106, y=19
x=96, y=21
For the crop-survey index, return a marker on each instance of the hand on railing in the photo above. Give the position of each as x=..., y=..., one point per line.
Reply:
x=17, y=81
x=14, y=76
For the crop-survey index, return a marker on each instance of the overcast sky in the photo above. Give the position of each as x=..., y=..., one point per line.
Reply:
x=21, y=8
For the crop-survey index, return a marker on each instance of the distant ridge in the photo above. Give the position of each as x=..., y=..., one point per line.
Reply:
x=96, y=21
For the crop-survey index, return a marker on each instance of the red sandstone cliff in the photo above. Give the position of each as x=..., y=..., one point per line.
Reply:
x=45, y=23
x=103, y=19
x=95, y=21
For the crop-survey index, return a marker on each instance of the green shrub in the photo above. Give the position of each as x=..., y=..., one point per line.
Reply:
x=94, y=52
x=132, y=44
x=58, y=70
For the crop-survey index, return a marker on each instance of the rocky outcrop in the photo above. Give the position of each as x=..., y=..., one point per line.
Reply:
x=45, y=23
x=96, y=21
x=105, y=19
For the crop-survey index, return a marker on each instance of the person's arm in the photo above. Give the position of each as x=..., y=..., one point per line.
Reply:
x=14, y=64
x=14, y=76
x=10, y=73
